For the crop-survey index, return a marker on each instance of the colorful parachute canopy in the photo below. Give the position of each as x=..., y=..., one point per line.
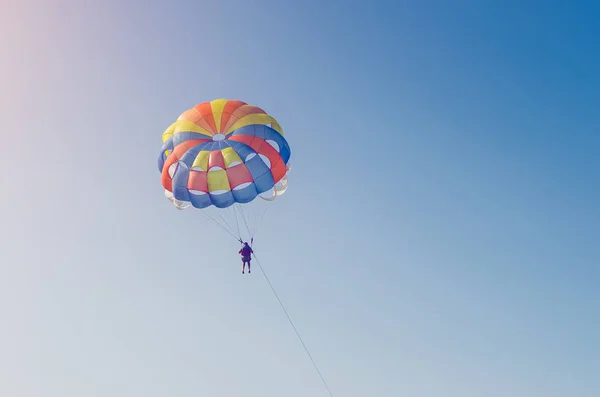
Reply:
x=223, y=152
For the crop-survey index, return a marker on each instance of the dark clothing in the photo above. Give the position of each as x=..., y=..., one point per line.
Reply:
x=246, y=252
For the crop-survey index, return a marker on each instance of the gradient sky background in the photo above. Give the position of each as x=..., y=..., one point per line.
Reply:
x=440, y=236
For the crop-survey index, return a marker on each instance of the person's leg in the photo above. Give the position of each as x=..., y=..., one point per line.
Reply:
x=243, y=266
x=249, y=266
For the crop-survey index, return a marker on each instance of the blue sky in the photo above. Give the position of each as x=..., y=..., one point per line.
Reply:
x=440, y=233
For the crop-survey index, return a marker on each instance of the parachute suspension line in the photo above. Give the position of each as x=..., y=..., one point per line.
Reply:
x=244, y=218
x=218, y=224
x=237, y=224
x=293, y=326
x=258, y=222
x=225, y=221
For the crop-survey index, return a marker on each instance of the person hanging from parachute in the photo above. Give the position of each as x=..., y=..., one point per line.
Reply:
x=246, y=253
x=220, y=157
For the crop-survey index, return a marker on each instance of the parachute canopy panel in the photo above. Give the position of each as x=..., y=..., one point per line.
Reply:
x=223, y=152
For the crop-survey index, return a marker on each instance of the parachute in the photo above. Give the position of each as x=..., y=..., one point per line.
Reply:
x=228, y=159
